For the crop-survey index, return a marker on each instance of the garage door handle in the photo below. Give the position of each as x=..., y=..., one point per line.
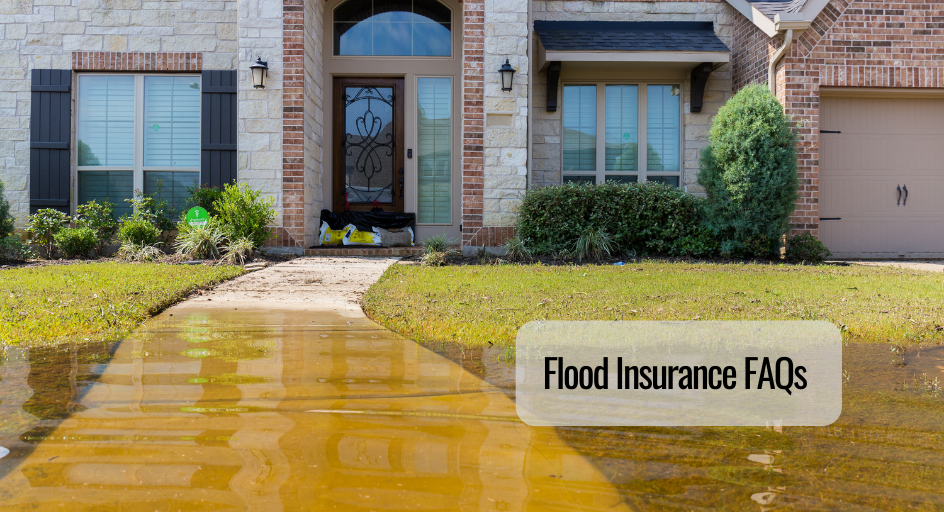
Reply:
x=830, y=218
x=899, y=196
x=830, y=131
x=905, y=188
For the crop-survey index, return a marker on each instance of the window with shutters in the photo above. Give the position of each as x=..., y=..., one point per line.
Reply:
x=605, y=124
x=137, y=132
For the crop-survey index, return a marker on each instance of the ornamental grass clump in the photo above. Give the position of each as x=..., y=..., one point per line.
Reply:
x=749, y=173
x=199, y=242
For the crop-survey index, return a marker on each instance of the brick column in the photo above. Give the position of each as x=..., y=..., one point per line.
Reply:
x=473, y=117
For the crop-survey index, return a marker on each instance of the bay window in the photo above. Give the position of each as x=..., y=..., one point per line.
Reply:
x=604, y=125
x=137, y=133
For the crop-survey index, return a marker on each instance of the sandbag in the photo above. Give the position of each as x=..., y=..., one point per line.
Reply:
x=367, y=221
x=395, y=237
x=355, y=236
x=332, y=236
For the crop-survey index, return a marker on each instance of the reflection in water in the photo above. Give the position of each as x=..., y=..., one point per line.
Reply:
x=216, y=410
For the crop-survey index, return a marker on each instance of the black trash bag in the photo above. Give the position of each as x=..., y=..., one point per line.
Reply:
x=367, y=221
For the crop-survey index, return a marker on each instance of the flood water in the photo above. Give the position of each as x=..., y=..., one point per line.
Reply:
x=275, y=410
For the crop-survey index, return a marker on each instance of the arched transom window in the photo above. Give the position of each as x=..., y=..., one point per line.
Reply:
x=393, y=27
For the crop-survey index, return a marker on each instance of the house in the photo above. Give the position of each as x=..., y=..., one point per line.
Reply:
x=376, y=103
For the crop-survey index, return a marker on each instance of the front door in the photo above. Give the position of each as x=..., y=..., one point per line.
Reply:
x=368, y=144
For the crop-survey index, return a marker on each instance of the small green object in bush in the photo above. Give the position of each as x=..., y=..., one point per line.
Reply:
x=14, y=249
x=43, y=226
x=6, y=220
x=199, y=242
x=100, y=216
x=76, y=242
x=638, y=217
x=204, y=197
x=749, y=172
x=138, y=231
x=244, y=213
x=806, y=248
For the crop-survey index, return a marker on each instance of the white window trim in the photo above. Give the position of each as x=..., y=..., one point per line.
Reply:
x=138, y=169
x=642, y=125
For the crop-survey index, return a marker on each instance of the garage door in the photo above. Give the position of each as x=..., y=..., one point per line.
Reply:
x=882, y=177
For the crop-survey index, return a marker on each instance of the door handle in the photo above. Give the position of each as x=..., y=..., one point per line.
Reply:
x=400, y=172
x=905, y=188
x=899, y=196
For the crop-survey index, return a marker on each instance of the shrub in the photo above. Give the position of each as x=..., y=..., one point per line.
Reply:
x=138, y=231
x=516, y=249
x=244, y=213
x=593, y=244
x=6, y=220
x=437, y=243
x=155, y=211
x=642, y=217
x=749, y=172
x=100, y=216
x=435, y=259
x=43, y=226
x=806, y=248
x=139, y=252
x=199, y=242
x=76, y=242
x=14, y=249
x=239, y=251
x=204, y=197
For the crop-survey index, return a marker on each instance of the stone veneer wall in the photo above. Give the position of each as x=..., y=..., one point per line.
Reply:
x=44, y=34
x=546, y=126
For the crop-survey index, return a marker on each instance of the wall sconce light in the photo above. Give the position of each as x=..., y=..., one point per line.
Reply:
x=507, y=75
x=260, y=71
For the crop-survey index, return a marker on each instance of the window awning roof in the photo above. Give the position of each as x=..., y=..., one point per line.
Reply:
x=629, y=41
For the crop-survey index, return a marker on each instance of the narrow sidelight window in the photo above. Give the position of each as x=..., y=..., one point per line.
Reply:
x=434, y=150
x=138, y=132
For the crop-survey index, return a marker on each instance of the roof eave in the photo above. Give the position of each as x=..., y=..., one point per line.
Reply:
x=798, y=21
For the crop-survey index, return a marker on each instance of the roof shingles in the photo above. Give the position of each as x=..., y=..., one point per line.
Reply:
x=629, y=36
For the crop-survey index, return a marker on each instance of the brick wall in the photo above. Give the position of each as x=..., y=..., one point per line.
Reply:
x=546, y=126
x=750, y=53
x=855, y=44
x=102, y=34
x=473, y=117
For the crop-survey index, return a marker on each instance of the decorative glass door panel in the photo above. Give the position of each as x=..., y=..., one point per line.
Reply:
x=368, y=140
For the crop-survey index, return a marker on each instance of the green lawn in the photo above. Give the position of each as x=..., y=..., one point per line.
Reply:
x=475, y=305
x=93, y=302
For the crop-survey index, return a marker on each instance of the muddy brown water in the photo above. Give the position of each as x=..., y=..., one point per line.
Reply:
x=290, y=410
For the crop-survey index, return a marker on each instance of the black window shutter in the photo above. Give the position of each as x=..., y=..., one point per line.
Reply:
x=218, y=127
x=50, y=133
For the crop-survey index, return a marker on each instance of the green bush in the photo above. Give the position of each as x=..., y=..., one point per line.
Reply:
x=749, y=172
x=155, y=211
x=6, y=220
x=14, y=249
x=806, y=248
x=137, y=231
x=641, y=217
x=43, y=226
x=244, y=213
x=76, y=242
x=199, y=242
x=100, y=216
x=204, y=197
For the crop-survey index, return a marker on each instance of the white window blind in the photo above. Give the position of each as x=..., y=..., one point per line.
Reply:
x=622, y=128
x=171, y=121
x=106, y=121
x=663, y=128
x=580, y=128
x=434, y=150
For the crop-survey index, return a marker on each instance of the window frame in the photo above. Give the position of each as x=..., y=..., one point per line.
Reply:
x=452, y=147
x=642, y=173
x=137, y=168
x=452, y=39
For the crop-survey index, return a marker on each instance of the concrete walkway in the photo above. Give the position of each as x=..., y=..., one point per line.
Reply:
x=928, y=265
